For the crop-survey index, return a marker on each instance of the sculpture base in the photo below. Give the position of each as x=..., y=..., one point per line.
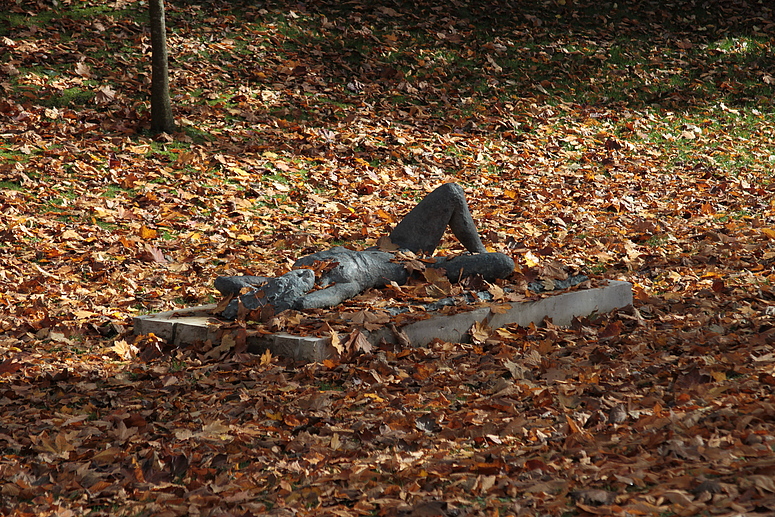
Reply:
x=188, y=326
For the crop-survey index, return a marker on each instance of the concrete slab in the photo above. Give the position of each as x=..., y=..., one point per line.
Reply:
x=197, y=324
x=561, y=308
x=187, y=326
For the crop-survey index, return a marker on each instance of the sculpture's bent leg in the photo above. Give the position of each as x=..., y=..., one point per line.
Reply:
x=422, y=228
x=489, y=265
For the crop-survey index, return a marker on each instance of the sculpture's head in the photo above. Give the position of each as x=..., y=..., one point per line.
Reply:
x=281, y=293
x=302, y=279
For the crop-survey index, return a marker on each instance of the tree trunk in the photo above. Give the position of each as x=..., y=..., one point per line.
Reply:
x=161, y=107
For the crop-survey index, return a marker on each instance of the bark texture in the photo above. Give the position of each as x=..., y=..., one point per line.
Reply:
x=161, y=106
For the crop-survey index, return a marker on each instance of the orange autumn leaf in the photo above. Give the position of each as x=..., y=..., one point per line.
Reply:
x=147, y=233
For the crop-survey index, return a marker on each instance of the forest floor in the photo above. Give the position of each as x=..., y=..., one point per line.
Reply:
x=632, y=140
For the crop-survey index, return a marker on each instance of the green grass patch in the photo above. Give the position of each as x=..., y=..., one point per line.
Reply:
x=68, y=98
x=327, y=386
x=114, y=191
x=105, y=225
x=62, y=13
x=11, y=185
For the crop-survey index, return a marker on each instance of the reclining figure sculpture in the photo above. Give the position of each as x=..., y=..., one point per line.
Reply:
x=420, y=231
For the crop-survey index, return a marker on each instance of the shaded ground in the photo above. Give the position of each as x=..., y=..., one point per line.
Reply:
x=631, y=140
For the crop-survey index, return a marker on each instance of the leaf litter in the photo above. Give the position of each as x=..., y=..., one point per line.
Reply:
x=575, y=148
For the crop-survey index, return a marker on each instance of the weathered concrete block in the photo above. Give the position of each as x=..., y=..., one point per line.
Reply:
x=187, y=326
x=561, y=308
x=179, y=326
x=299, y=348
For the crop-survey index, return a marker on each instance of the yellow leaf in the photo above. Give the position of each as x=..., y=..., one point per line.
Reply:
x=124, y=350
x=335, y=341
x=277, y=417
x=769, y=233
x=531, y=259
x=245, y=237
x=148, y=233
x=385, y=216
x=266, y=357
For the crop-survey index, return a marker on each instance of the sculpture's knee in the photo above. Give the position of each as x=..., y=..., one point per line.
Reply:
x=501, y=265
x=452, y=192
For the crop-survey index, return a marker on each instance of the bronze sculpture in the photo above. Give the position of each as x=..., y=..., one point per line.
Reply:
x=420, y=231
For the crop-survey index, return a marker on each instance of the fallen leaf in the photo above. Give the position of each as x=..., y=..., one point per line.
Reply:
x=480, y=331
x=105, y=95
x=148, y=233
x=83, y=70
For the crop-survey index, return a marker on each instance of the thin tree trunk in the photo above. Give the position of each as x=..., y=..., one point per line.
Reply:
x=161, y=107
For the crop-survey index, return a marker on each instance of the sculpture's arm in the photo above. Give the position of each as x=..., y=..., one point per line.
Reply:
x=234, y=284
x=355, y=271
x=328, y=297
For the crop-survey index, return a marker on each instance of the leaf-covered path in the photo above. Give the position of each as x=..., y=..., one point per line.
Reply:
x=632, y=141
